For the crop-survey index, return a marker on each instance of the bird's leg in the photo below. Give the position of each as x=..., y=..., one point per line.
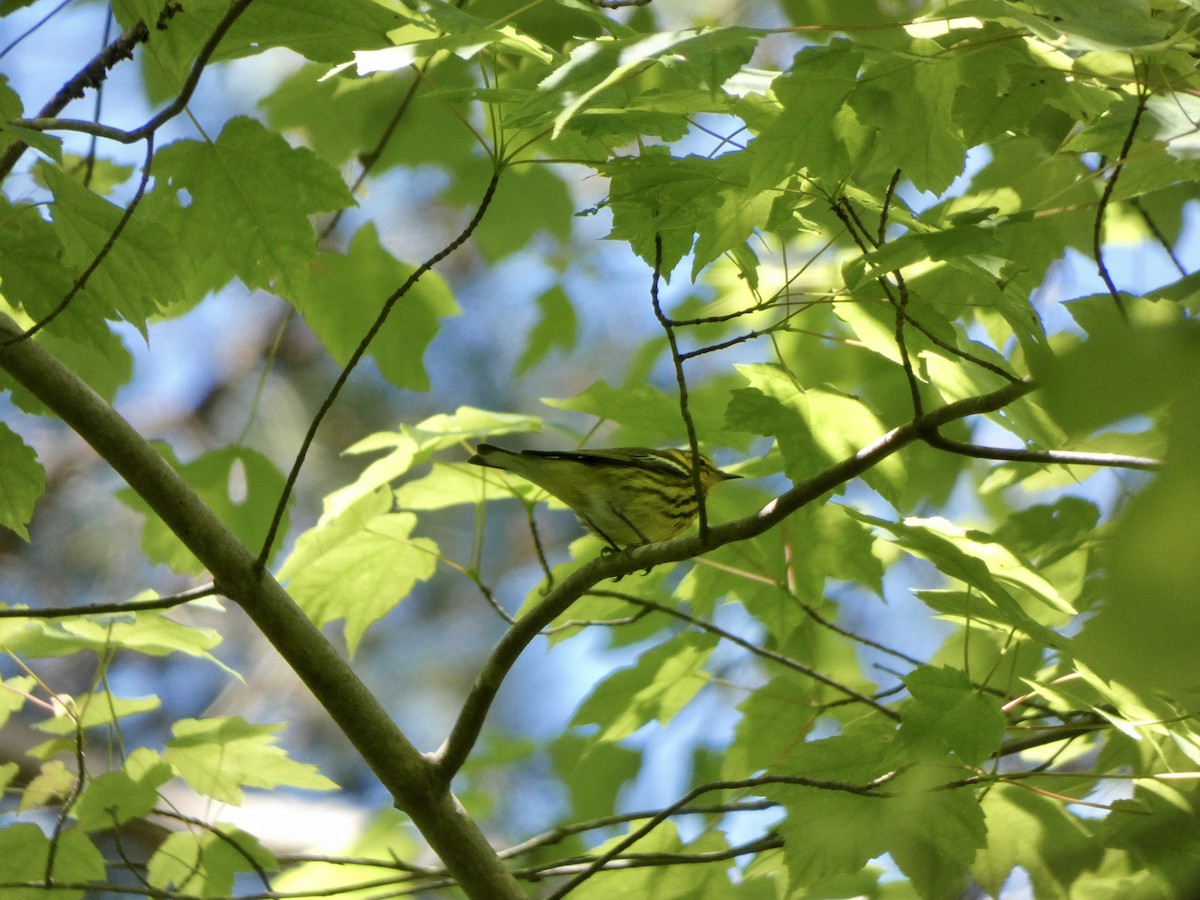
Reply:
x=645, y=540
x=612, y=546
x=616, y=512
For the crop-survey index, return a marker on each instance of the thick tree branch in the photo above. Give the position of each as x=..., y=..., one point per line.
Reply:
x=406, y=774
x=453, y=752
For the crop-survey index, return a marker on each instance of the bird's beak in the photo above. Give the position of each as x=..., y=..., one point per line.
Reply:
x=727, y=476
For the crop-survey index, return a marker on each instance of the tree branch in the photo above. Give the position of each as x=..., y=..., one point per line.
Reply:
x=1106, y=196
x=406, y=774
x=90, y=75
x=45, y=120
x=870, y=789
x=360, y=351
x=562, y=832
x=765, y=653
x=849, y=218
x=453, y=752
x=1052, y=457
x=625, y=861
x=129, y=606
x=681, y=380
x=101, y=254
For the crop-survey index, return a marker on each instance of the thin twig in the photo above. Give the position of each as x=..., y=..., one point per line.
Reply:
x=781, y=659
x=1088, y=723
x=69, y=800
x=870, y=789
x=626, y=861
x=356, y=357
x=1054, y=457
x=93, y=609
x=1159, y=236
x=887, y=202
x=557, y=835
x=46, y=122
x=681, y=380
x=781, y=325
x=90, y=75
x=490, y=596
x=845, y=211
x=901, y=304
x=849, y=218
x=538, y=547
x=101, y=255
x=224, y=838
x=11, y=45
x=371, y=157
x=89, y=165
x=1098, y=225
x=812, y=613
x=959, y=352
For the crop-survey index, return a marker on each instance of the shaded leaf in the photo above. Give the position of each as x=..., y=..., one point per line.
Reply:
x=25, y=853
x=100, y=709
x=249, y=197
x=112, y=798
x=950, y=715
x=1037, y=834
x=22, y=480
x=982, y=563
x=240, y=485
x=814, y=427
x=664, y=680
x=205, y=863
x=344, y=294
x=138, y=275
x=555, y=329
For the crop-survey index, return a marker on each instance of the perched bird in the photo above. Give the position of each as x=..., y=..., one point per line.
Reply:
x=626, y=496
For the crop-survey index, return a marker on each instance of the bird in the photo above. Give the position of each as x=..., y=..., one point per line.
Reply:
x=626, y=496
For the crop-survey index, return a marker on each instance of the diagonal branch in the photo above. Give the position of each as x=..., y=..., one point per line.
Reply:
x=562, y=832
x=91, y=75
x=870, y=789
x=45, y=120
x=356, y=357
x=454, y=751
x=404, y=772
x=627, y=860
x=1106, y=196
x=101, y=254
x=844, y=210
x=901, y=305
